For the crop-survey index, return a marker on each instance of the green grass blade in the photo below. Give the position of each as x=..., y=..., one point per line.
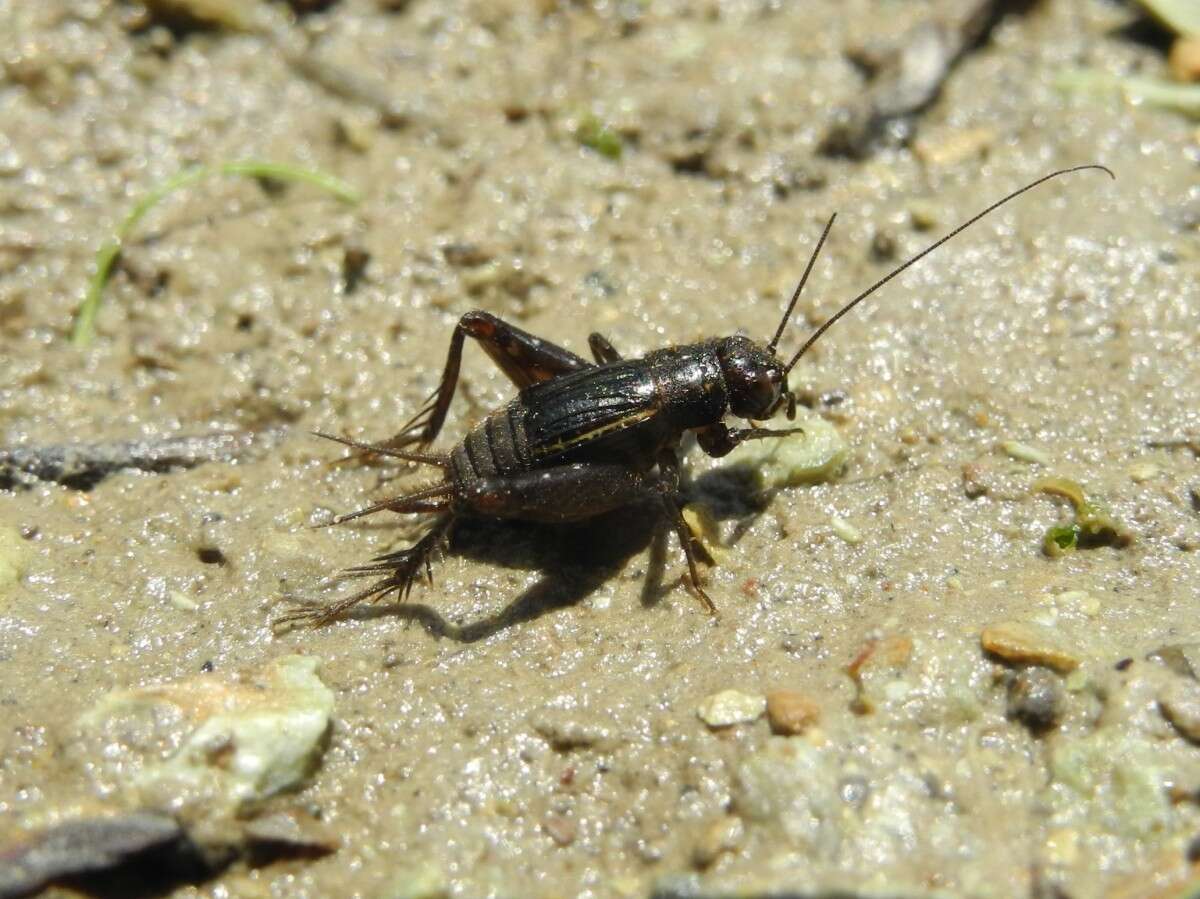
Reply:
x=85, y=317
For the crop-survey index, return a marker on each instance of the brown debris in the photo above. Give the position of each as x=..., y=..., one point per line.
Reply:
x=790, y=712
x=1180, y=704
x=83, y=465
x=87, y=846
x=909, y=81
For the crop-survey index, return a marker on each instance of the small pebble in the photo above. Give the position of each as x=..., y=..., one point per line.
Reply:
x=227, y=14
x=790, y=712
x=956, y=147
x=1184, y=58
x=730, y=707
x=846, y=530
x=1180, y=704
x=1077, y=601
x=14, y=554
x=1142, y=472
x=571, y=729
x=561, y=829
x=1031, y=644
x=1182, y=658
x=182, y=601
x=890, y=652
x=721, y=836
x=923, y=214
x=1035, y=698
x=1023, y=452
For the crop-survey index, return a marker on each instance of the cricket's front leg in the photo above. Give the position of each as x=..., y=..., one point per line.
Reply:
x=524, y=358
x=719, y=440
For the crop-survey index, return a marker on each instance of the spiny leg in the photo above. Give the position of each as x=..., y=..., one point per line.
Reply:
x=427, y=499
x=396, y=572
x=438, y=460
x=668, y=467
x=524, y=358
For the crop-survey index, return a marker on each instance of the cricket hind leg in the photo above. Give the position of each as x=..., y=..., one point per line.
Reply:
x=524, y=359
x=395, y=573
x=438, y=460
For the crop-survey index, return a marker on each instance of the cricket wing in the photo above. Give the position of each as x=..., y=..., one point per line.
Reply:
x=600, y=412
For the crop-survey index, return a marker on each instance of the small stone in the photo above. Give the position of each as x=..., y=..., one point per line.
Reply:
x=227, y=14
x=1023, y=452
x=890, y=652
x=974, y=480
x=720, y=836
x=209, y=748
x=924, y=214
x=1078, y=601
x=571, y=728
x=1180, y=704
x=561, y=829
x=1035, y=698
x=846, y=530
x=956, y=147
x=80, y=847
x=1030, y=644
x=357, y=132
x=730, y=707
x=1184, y=58
x=1182, y=658
x=14, y=553
x=1142, y=472
x=790, y=712
x=182, y=601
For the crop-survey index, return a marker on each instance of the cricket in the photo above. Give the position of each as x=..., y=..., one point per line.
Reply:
x=583, y=438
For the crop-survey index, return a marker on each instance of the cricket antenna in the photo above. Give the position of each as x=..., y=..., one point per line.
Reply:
x=925, y=252
x=787, y=314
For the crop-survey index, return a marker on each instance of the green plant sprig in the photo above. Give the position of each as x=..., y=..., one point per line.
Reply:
x=84, y=326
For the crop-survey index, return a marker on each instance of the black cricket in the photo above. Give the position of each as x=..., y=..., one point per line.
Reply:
x=583, y=438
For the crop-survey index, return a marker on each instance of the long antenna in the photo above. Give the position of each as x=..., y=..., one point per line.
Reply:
x=967, y=224
x=799, y=287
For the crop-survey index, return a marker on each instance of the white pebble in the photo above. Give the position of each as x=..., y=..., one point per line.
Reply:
x=730, y=707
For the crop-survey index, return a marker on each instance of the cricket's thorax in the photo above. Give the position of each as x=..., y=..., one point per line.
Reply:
x=690, y=385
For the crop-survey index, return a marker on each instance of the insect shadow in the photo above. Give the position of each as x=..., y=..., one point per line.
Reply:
x=573, y=562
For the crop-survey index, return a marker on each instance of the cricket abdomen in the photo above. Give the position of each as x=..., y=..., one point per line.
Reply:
x=495, y=447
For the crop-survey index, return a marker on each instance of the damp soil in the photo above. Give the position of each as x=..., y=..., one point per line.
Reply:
x=527, y=725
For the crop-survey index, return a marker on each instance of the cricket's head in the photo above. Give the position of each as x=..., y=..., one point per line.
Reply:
x=755, y=379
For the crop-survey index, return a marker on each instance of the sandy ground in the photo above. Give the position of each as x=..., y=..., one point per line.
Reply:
x=528, y=727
